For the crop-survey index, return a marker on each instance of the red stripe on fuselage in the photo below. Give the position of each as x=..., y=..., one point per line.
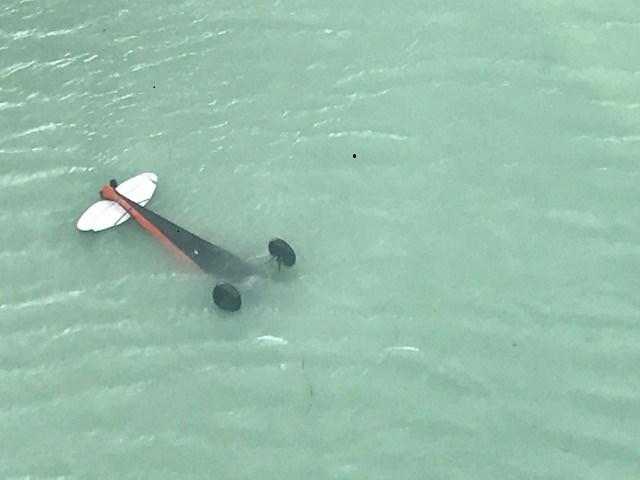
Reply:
x=110, y=193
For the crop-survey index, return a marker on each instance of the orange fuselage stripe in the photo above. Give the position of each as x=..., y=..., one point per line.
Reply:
x=110, y=193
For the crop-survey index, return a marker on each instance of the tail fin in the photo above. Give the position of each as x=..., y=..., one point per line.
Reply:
x=106, y=213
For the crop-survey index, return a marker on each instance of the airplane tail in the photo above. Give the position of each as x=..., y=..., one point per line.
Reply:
x=107, y=213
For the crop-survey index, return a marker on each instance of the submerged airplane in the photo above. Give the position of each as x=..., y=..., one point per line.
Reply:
x=121, y=202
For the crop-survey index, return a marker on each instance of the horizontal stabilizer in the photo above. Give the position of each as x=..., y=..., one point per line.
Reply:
x=106, y=213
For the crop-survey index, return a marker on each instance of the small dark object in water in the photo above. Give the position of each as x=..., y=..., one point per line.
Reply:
x=113, y=183
x=282, y=252
x=226, y=297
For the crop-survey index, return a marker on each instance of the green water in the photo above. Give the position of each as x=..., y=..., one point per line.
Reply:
x=464, y=304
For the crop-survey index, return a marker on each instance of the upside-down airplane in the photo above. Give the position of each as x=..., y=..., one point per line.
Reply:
x=121, y=202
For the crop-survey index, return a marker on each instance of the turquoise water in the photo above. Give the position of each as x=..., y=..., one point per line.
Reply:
x=464, y=304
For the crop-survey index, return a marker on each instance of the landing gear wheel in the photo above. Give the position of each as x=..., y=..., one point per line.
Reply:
x=226, y=297
x=282, y=252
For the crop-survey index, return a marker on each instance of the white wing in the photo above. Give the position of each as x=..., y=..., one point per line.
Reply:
x=139, y=188
x=106, y=213
x=102, y=215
